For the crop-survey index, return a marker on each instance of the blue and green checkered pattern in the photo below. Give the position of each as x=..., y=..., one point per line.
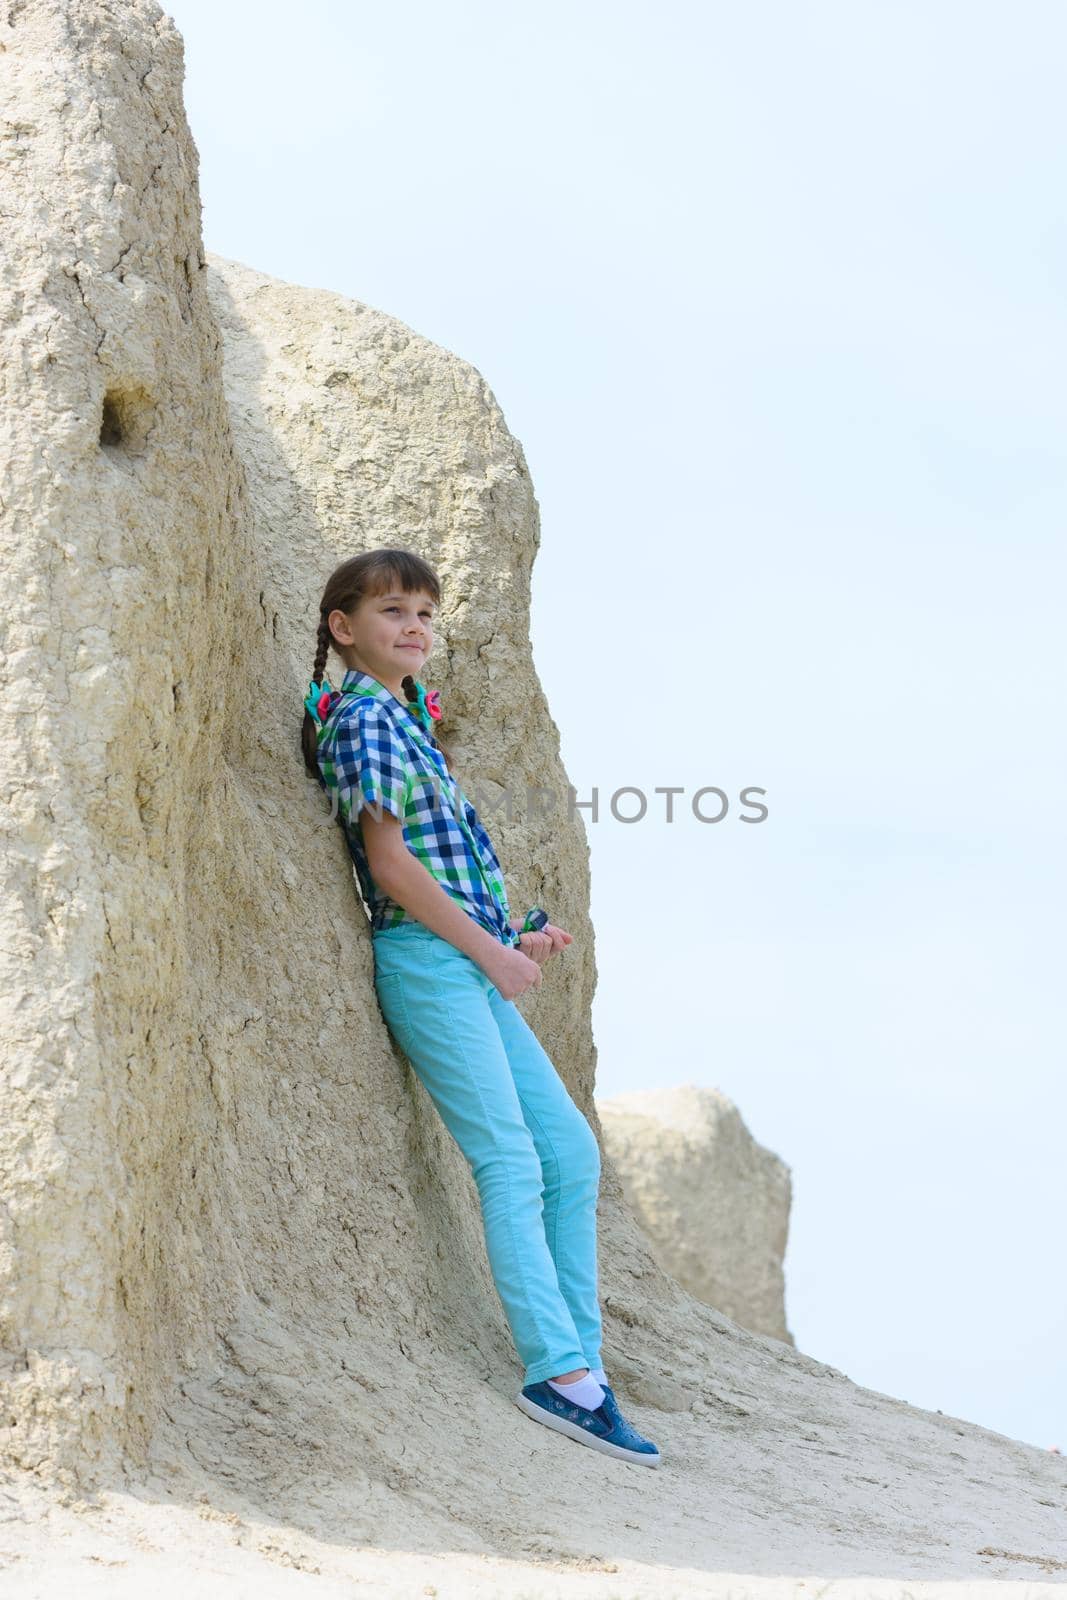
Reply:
x=373, y=751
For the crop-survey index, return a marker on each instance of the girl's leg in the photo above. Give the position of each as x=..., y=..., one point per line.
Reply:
x=570, y=1162
x=435, y=1000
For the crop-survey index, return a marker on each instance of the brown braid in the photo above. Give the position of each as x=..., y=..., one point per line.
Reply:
x=373, y=572
x=325, y=641
x=407, y=683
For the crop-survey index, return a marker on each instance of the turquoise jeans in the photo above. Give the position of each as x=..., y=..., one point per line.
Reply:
x=532, y=1153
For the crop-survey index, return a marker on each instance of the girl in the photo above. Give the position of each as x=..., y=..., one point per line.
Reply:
x=449, y=961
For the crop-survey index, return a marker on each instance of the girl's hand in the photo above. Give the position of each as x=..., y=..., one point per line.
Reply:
x=539, y=946
x=512, y=972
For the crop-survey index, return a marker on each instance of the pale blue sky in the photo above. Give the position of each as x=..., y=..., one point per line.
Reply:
x=774, y=299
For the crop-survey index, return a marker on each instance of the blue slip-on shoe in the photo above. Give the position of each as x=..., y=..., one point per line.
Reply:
x=604, y=1429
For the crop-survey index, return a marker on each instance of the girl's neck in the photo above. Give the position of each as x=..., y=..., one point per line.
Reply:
x=396, y=690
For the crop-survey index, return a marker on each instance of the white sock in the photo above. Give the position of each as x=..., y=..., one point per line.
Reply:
x=598, y=1375
x=582, y=1392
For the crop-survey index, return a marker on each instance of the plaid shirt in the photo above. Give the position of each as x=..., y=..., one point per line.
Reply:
x=374, y=750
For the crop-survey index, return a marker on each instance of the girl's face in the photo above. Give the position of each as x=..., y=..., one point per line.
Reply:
x=389, y=635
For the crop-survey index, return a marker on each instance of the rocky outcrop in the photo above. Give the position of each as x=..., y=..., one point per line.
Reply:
x=220, y=1178
x=712, y=1202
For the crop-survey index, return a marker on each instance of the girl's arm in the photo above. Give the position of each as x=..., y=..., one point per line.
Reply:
x=402, y=876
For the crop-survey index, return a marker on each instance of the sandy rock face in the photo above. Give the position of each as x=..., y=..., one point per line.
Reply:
x=713, y=1203
x=212, y=1158
x=241, y=1261
x=126, y=555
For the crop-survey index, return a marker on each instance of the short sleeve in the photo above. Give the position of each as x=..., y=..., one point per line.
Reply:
x=371, y=766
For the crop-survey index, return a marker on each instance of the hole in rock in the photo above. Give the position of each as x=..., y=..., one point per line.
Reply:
x=126, y=420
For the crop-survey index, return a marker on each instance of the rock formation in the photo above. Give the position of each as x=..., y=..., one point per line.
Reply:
x=712, y=1202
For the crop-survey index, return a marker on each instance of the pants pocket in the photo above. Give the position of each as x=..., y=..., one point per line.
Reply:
x=390, y=991
x=446, y=957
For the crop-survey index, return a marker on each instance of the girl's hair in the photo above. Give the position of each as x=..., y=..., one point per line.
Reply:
x=372, y=573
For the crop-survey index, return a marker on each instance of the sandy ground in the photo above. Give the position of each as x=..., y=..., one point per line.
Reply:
x=146, y=1543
